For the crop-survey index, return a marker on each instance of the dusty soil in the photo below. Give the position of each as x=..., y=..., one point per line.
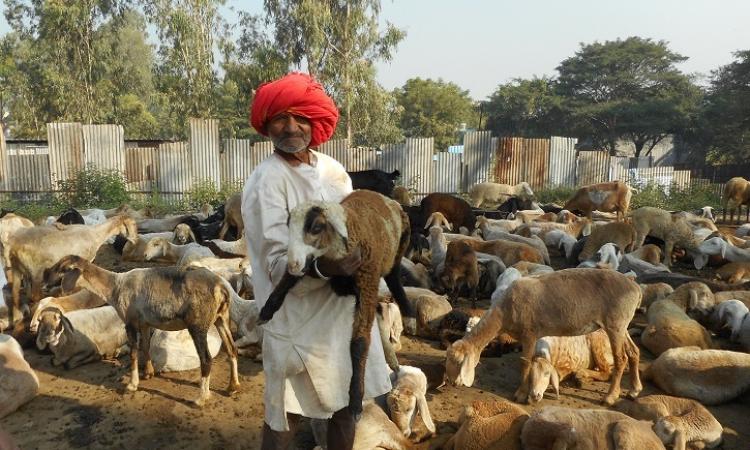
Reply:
x=87, y=407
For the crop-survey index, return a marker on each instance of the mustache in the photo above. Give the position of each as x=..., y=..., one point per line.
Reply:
x=292, y=135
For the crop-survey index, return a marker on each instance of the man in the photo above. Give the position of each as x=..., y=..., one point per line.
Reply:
x=306, y=356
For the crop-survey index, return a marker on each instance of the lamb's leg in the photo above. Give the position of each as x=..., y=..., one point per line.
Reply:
x=145, y=343
x=276, y=299
x=527, y=354
x=668, y=247
x=385, y=338
x=226, y=337
x=36, y=288
x=200, y=340
x=617, y=343
x=393, y=281
x=367, y=281
x=132, y=333
x=15, y=314
x=634, y=356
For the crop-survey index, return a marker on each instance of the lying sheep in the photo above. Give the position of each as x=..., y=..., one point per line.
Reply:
x=669, y=326
x=649, y=253
x=82, y=336
x=183, y=234
x=555, y=427
x=374, y=430
x=509, y=252
x=620, y=233
x=674, y=231
x=493, y=424
x=607, y=257
x=534, y=241
x=729, y=315
x=529, y=269
x=557, y=357
x=709, y=376
x=174, y=351
x=19, y=381
x=653, y=292
x=718, y=246
x=486, y=225
x=561, y=241
x=82, y=299
x=407, y=397
x=734, y=272
x=677, y=421
x=498, y=193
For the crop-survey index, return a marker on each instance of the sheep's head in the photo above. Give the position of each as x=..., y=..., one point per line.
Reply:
x=128, y=228
x=155, y=248
x=460, y=361
x=525, y=192
x=481, y=222
x=438, y=219
x=609, y=254
x=402, y=403
x=541, y=375
x=50, y=328
x=65, y=272
x=316, y=229
x=713, y=246
x=183, y=234
x=700, y=298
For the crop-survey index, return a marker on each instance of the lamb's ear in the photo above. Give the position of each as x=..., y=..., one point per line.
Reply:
x=724, y=246
x=468, y=366
x=424, y=411
x=336, y=216
x=554, y=379
x=693, y=300
x=69, y=280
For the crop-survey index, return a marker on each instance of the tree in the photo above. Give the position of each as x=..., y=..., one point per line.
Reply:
x=528, y=108
x=337, y=41
x=628, y=89
x=434, y=108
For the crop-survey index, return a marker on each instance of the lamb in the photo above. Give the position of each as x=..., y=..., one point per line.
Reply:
x=555, y=427
x=674, y=231
x=498, y=193
x=620, y=233
x=165, y=298
x=430, y=310
x=80, y=337
x=363, y=219
x=492, y=424
x=734, y=272
x=728, y=314
x=19, y=381
x=653, y=292
x=460, y=268
x=509, y=252
x=416, y=275
x=669, y=327
x=568, y=302
x=710, y=376
x=649, y=253
x=37, y=248
x=180, y=255
x=718, y=246
x=508, y=225
x=437, y=219
x=534, y=241
x=401, y=195
x=456, y=210
x=611, y=196
x=81, y=299
x=736, y=194
x=407, y=397
x=587, y=356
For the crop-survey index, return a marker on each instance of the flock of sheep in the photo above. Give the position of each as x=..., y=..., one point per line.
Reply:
x=610, y=296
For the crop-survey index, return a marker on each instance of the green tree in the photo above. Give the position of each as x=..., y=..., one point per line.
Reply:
x=434, y=108
x=528, y=108
x=338, y=41
x=627, y=89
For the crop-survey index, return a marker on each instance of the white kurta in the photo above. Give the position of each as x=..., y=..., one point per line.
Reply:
x=306, y=356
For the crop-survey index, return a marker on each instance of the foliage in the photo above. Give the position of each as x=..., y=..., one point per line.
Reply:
x=205, y=191
x=628, y=89
x=33, y=210
x=93, y=188
x=434, y=108
x=555, y=194
x=527, y=108
x=675, y=198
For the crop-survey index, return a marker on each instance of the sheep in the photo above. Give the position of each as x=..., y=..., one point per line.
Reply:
x=165, y=298
x=438, y=247
x=460, y=267
x=508, y=225
x=82, y=299
x=649, y=253
x=718, y=246
x=611, y=196
x=457, y=323
x=183, y=234
x=561, y=241
x=430, y=310
x=728, y=314
x=620, y=233
x=135, y=251
x=37, y=248
x=416, y=275
x=401, y=195
x=607, y=257
x=528, y=269
x=579, y=227
x=374, y=430
x=669, y=326
x=743, y=296
x=736, y=194
x=375, y=180
x=674, y=231
x=20, y=383
x=390, y=323
x=555, y=427
x=438, y=219
x=534, y=241
x=80, y=337
x=498, y=193
x=587, y=356
x=233, y=216
x=489, y=424
x=237, y=248
x=568, y=302
x=407, y=397
x=8, y=225
x=630, y=263
x=380, y=228
x=677, y=421
x=173, y=351
x=653, y=292
x=742, y=230
x=180, y=255
x=509, y=252
x=160, y=225
x=456, y=210
x=734, y=272
x=710, y=376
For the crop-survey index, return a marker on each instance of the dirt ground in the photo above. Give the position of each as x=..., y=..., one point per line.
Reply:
x=87, y=407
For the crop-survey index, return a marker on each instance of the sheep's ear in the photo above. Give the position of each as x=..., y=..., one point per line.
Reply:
x=554, y=379
x=468, y=366
x=69, y=279
x=336, y=216
x=693, y=300
x=724, y=246
x=699, y=261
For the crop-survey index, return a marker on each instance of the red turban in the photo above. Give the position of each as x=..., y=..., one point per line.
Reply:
x=298, y=94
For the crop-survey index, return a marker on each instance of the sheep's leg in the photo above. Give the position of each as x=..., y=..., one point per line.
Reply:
x=527, y=354
x=145, y=343
x=15, y=314
x=393, y=281
x=224, y=229
x=634, y=355
x=200, y=340
x=385, y=338
x=364, y=317
x=617, y=343
x=36, y=288
x=668, y=248
x=276, y=299
x=226, y=337
x=133, y=339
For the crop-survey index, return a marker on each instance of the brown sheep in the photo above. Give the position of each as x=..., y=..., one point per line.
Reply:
x=510, y=252
x=401, y=195
x=613, y=196
x=233, y=216
x=736, y=194
x=460, y=268
x=650, y=253
x=620, y=233
x=734, y=272
x=673, y=230
x=457, y=211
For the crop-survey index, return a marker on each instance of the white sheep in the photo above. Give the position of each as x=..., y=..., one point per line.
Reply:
x=742, y=230
x=374, y=430
x=135, y=251
x=718, y=246
x=81, y=299
x=407, y=397
x=437, y=219
x=488, y=424
x=180, y=255
x=560, y=240
x=709, y=376
x=498, y=193
x=19, y=381
x=486, y=225
x=608, y=256
x=174, y=351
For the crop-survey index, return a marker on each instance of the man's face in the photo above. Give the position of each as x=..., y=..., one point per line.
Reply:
x=289, y=133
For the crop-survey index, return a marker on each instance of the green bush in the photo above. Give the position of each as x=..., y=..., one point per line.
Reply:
x=93, y=188
x=205, y=191
x=554, y=194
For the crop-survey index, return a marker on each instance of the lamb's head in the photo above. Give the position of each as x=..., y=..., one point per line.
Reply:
x=524, y=191
x=127, y=228
x=565, y=216
x=65, y=272
x=542, y=375
x=714, y=246
x=438, y=219
x=402, y=403
x=699, y=297
x=50, y=328
x=666, y=428
x=609, y=254
x=155, y=248
x=460, y=361
x=437, y=237
x=183, y=234
x=316, y=229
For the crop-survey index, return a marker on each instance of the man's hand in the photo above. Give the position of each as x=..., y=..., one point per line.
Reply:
x=345, y=266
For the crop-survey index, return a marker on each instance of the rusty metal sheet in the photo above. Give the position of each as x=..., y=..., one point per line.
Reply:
x=141, y=168
x=104, y=146
x=204, y=149
x=28, y=172
x=65, y=142
x=535, y=162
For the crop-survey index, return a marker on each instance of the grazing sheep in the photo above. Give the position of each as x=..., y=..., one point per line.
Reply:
x=407, y=397
x=568, y=302
x=493, y=424
x=498, y=193
x=561, y=241
x=555, y=358
x=19, y=381
x=677, y=421
x=611, y=196
x=734, y=272
x=555, y=427
x=456, y=210
x=161, y=225
x=380, y=228
x=620, y=233
x=674, y=231
x=736, y=194
x=460, y=268
x=166, y=298
x=416, y=275
x=80, y=337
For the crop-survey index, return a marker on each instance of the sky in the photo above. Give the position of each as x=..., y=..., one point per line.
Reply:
x=479, y=44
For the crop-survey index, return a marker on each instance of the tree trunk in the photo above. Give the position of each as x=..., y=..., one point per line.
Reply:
x=638, y=146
